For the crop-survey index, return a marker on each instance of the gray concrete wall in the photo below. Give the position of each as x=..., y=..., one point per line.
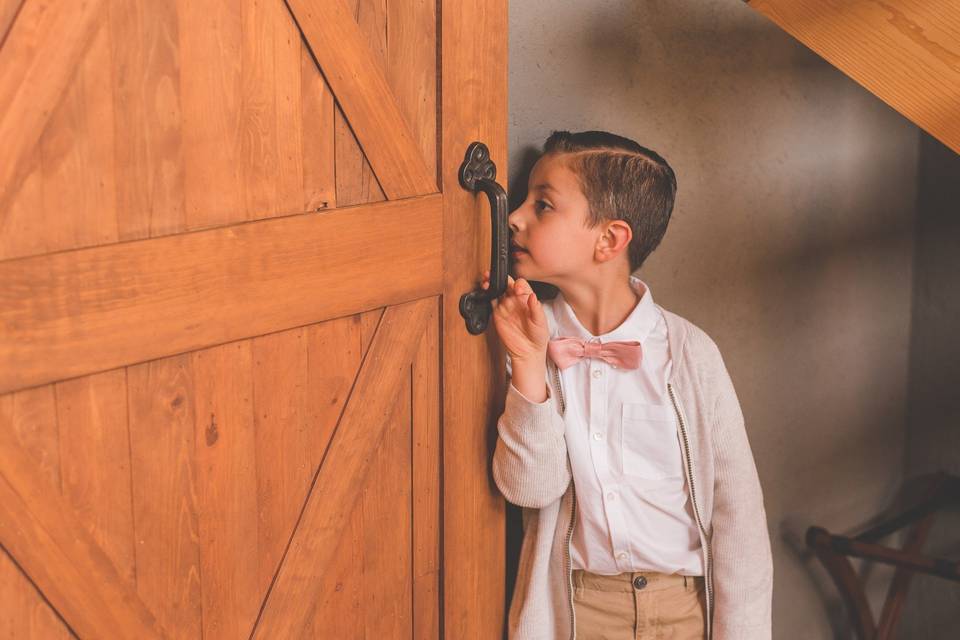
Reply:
x=933, y=406
x=791, y=242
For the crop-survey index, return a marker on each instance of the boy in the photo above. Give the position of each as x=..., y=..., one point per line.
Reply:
x=622, y=437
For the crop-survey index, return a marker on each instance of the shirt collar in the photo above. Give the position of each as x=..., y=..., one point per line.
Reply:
x=637, y=325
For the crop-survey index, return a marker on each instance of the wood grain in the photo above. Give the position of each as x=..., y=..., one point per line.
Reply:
x=287, y=609
x=161, y=399
x=95, y=462
x=906, y=52
x=40, y=529
x=146, y=104
x=473, y=107
x=72, y=313
x=362, y=91
x=37, y=60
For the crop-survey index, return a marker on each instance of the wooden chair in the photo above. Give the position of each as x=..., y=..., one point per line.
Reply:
x=932, y=492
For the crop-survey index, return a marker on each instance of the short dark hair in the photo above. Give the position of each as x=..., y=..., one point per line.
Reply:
x=621, y=181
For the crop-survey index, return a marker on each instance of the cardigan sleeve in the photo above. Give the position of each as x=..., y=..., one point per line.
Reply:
x=742, y=560
x=530, y=464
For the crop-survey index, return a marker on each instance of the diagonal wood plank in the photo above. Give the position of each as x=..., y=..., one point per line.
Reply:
x=906, y=52
x=361, y=88
x=37, y=60
x=42, y=533
x=71, y=313
x=287, y=607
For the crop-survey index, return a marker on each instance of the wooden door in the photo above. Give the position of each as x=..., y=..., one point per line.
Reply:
x=237, y=399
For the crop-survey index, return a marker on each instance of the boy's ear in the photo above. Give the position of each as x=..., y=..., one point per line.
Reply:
x=615, y=238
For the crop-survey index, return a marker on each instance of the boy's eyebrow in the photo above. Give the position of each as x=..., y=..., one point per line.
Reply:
x=545, y=186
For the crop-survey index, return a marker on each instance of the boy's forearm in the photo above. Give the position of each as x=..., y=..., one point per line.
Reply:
x=529, y=377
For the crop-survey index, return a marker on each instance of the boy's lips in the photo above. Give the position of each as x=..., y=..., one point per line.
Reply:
x=515, y=248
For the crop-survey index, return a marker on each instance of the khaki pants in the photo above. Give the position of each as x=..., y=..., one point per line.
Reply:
x=645, y=605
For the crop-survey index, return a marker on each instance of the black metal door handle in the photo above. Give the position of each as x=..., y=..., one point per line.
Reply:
x=478, y=173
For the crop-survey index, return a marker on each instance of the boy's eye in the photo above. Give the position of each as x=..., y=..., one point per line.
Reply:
x=541, y=204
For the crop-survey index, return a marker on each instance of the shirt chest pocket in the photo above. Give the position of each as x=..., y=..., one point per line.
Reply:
x=649, y=444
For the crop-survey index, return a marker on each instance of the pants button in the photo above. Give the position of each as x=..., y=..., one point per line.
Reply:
x=639, y=582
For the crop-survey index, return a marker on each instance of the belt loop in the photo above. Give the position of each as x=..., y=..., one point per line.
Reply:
x=684, y=581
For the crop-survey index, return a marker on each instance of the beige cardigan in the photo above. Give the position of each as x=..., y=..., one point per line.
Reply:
x=532, y=470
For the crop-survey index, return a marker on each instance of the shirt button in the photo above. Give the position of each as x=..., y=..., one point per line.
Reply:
x=597, y=373
x=622, y=555
x=639, y=582
x=597, y=435
x=611, y=495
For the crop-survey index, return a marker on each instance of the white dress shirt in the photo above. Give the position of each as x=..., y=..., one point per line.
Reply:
x=633, y=507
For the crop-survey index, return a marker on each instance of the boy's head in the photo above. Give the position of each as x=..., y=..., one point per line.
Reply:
x=595, y=199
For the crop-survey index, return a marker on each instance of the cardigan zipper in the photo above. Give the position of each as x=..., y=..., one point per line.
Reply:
x=573, y=512
x=696, y=511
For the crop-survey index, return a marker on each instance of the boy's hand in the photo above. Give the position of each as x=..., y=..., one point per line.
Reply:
x=519, y=320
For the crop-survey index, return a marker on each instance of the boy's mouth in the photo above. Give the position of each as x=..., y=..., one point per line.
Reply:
x=515, y=248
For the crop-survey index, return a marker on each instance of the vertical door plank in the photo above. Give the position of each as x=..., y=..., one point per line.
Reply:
x=270, y=112
x=210, y=54
x=319, y=183
x=425, y=414
x=164, y=497
x=289, y=121
x=32, y=416
x=226, y=488
x=95, y=461
x=284, y=457
x=146, y=99
x=411, y=69
x=387, y=524
x=334, y=354
x=77, y=147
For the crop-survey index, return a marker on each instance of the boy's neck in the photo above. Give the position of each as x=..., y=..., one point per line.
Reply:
x=602, y=308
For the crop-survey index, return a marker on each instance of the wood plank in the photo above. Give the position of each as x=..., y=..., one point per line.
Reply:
x=270, y=127
x=226, y=488
x=284, y=444
x=163, y=469
x=410, y=66
x=210, y=80
x=288, y=606
x=95, y=461
x=355, y=180
x=361, y=88
x=32, y=415
x=73, y=313
x=76, y=150
x=385, y=499
x=38, y=59
x=427, y=472
x=319, y=180
x=146, y=105
x=40, y=529
x=473, y=107
x=906, y=52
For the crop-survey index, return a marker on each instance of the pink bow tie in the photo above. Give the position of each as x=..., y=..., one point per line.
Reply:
x=566, y=351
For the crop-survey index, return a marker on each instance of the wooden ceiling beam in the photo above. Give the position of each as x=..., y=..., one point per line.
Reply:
x=906, y=52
